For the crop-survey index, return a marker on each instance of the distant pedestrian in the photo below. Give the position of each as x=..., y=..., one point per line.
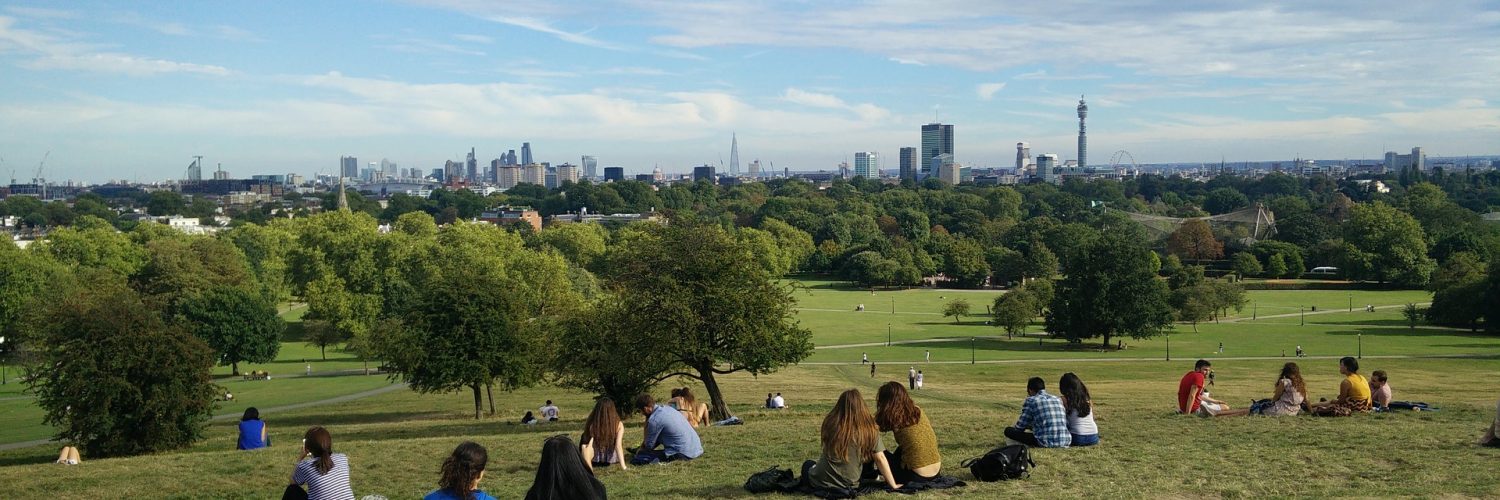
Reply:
x=911, y=377
x=864, y=357
x=309, y=369
x=927, y=356
x=872, y=370
x=1299, y=351
x=1221, y=348
x=919, y=380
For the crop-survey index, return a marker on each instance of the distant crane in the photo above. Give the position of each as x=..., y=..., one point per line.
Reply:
x=38, y=179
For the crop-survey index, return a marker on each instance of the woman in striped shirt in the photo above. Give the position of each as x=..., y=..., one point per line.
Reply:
x=325, y=473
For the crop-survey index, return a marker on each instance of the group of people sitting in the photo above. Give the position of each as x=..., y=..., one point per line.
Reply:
x=257, y=375
x=548, y=411
x=1289, y=397
x=1056, y=421
x=775, y=402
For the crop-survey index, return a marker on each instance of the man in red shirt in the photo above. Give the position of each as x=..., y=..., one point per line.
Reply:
x=1191, y=387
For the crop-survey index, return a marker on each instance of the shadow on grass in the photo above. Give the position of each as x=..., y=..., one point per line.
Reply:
x=1418, y=332
x=29, y=456
x=329, y=419
x=711, y=491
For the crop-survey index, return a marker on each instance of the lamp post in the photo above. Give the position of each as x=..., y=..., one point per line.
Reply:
x=887, y=334
x=1351, y=301
x=1169, y=346
x=1360, y=338
x=893, y=305
x=2, y=361
x=1253, y=310
x=971, y=350
x=1304, y=316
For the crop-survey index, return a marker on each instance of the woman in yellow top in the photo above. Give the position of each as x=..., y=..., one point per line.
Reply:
x=1354, y=392
x=916, y=457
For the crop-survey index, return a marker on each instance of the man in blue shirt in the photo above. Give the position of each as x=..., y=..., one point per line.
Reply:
x=1043, y=414
x=668, y=429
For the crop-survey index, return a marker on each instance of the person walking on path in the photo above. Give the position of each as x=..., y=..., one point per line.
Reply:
x=911, y=377
x=927, y=356
x=864, y=357
x=872, y=370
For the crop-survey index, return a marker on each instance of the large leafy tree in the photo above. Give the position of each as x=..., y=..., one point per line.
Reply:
x=714, y=310
x=1195, y=241
x=125, y=385
x=239, y=324
x=1391, y=241
x=1014, y=310
x=965, y=263
x=1110, y=290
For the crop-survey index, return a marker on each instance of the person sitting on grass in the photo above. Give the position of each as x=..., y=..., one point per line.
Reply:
x=528, y=418
x=696, y=413
x=850, y=439
x=605, y=433
x=563, y=473
x=1080, y=406
x=668, y=429
x=325, y=473
x=549, y=411
x=68, y=456
x=1192, y=392
x=1290, y=395
x=1043, y=415
x=462, y=471
x=1491, y=436
x=1380, y=390
x=779, y=401
x=770, y=402
x=917, y=456
x=1354, y=392
x=252, y=431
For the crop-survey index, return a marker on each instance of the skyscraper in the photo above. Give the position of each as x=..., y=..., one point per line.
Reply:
x=509, y=158
x=705, y=172
x=908, y=162
x=567, y=172
x=590, y=167
x=755, y=169
x=348, y=166
x=867, y=164
x=614, y=174
x=1083, y=140
x=1023, y=157
x=525, y=153
x=734, y=155
x=195, y=169
x=937, y=139
x=943, y=167
x=1048, y=168
x=471, y=172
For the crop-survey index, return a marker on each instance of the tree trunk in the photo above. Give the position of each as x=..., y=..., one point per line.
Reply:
x=323, y=350
x=489, y=388
x=717, y=409
x=478, y=400
x=234, y=368
x=1106, y=340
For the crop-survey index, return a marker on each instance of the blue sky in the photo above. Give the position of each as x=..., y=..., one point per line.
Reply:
x=132, y=90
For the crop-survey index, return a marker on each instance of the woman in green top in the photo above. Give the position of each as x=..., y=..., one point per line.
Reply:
x=916, y=455
x=850, y=440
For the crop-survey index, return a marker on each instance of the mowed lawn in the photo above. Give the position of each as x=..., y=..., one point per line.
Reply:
x=396, y=441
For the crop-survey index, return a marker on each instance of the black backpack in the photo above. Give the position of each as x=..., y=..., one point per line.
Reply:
x=1001, y=464
x=771, y=480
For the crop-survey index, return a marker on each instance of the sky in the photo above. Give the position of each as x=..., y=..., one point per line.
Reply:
x=133, y=90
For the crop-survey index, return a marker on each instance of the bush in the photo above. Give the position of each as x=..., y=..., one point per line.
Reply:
x=125, y=385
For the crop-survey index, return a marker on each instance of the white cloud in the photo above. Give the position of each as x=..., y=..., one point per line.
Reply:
x=40, y=12
x=473, y=38
x=912, y=62
x=49, y=52
x=864, y=111
x=987, y=91
x=542, y=26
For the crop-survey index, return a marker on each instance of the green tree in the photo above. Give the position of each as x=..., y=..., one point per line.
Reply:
x=1413, y=314
x=956, y=308
x=1013, y=311
x=93, y=243
x=240, y=325
x=1110, y=290
x=1224, y=200
x=266, y=249
x=1245, y=264
x=179, y=267
x=1393, y=243
x=1193, y=304
x=1040, y=262
x=1276, y=266
x=580, y=243
x=163, y=203
x=321, y=334
x=795, y=244
x=965, y=264
x=1458, y=293
x=1006, y=265
x=127, y=385
x=715, y=311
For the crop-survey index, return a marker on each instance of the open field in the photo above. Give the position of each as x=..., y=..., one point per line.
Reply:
x=396, y=440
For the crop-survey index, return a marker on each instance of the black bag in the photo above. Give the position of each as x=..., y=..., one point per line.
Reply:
x=1001, y=464
x=294, y=492
x=771, y=480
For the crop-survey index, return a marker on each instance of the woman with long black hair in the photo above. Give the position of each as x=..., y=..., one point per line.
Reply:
x=563, y=474
x=1080, y=408
x=325, y=473
x=462, y=471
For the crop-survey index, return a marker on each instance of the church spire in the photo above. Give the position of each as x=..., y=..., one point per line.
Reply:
x=343, y=199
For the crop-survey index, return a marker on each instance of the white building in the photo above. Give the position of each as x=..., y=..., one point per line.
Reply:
x=866, y=164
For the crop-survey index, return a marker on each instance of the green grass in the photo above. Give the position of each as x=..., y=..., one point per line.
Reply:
x=397, y=440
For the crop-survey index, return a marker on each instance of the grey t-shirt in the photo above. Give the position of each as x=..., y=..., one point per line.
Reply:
x=843, y=473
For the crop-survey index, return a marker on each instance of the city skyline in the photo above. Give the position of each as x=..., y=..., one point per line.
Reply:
x=136, y=91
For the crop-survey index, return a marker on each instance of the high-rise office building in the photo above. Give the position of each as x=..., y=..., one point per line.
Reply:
x=508, y=176
x=1083, y=140
x=755, y=169
x=471, y=167
x=493, y=173
x=945, y=169
x=195, y=169
x=614, y=174
x=937, y=139
x=452, y=171
x=734, y=155
x=867, y=164
x=1048, y=168
x=348, y=166
x=908, y=162
x=567, y=172
x=526, y=153
x=590, y=167
x=704, y=172
x=1023, y=157
x=534, y=173
x=509, y=158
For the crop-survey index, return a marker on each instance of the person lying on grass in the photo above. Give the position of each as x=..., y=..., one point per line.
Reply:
x=1043, y=415
x=1080, y=406
x=668, y=429
x=604, y=432
x=462, y=471
x=563, y=473
x=850, y=439
x=1354, y=392
x=916, y=455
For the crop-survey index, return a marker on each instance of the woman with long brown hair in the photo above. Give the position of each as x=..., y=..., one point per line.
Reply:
x=850, y=439
x=325, y=473
x=696, y=413
x=1291, y=392
x=916, y=455
x=462, y=472
x=603, y=436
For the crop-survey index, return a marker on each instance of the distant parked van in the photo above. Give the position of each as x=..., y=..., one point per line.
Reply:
x=1325, y=270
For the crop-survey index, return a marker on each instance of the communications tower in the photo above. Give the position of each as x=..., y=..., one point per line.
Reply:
x=1083, y=140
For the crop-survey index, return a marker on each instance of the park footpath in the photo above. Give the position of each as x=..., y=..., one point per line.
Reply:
x=275, y=409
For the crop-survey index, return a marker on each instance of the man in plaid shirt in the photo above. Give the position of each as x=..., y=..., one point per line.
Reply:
x=1043, y=414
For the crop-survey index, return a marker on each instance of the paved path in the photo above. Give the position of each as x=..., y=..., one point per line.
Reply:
x=899, y=342
x=232, y=416
x=1121, y=360
x=1310, y=313
x=867, y=311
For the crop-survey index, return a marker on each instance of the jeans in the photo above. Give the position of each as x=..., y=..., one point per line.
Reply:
x=1085, y=440
x=647, y=457
x=1022, y=436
